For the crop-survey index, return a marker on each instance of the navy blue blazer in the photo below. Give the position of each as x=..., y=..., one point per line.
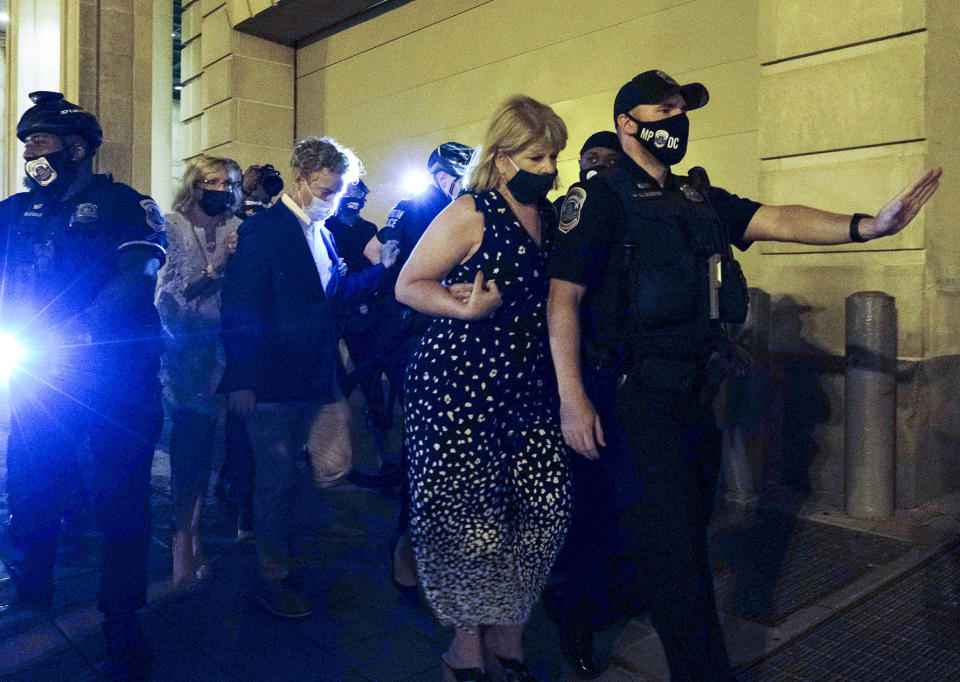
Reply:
x=278, y=330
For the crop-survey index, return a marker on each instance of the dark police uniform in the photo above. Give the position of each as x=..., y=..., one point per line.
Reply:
x=406, y=224
x=77, y=406
x=651, y=330
x=360, y=319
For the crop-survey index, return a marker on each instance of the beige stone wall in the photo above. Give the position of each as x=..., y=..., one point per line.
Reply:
x=238, y=90
x=429, y=71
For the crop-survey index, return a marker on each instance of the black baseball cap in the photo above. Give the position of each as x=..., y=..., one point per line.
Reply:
x=605, y=138
x=654, y=86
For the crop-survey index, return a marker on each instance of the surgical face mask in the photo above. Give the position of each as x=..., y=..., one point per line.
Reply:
x=50, y=174
x=318, y=210
x=666, y=139
x=527, y=187
x=215, y=202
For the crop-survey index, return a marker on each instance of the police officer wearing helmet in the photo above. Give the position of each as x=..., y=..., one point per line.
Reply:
x=406, y=223
x=410, y=217
x=80, y=254
x=359, y=319
x=643, y=279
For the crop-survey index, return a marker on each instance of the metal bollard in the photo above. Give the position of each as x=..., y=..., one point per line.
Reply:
x=870, y=405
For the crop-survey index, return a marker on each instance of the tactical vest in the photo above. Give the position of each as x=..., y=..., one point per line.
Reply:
x=665, y=270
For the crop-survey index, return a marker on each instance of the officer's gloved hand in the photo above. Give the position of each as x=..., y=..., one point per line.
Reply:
x=389, y=253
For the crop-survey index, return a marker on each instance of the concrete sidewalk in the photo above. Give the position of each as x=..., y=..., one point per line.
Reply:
x=778, y=577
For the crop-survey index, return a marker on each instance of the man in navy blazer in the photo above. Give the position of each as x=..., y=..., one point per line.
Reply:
x=282, y=351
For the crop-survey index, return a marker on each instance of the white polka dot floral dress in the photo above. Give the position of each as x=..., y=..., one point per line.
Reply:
x=488, y=466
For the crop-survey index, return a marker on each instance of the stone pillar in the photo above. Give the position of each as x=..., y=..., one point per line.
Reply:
x=870, y=405
x=115, y=83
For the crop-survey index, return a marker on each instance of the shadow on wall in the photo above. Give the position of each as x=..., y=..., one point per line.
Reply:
x=774, y=404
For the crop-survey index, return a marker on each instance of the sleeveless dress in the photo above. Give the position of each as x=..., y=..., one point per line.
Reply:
x=490, y=497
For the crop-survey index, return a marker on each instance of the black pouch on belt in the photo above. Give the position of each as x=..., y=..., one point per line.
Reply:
x=666, y=375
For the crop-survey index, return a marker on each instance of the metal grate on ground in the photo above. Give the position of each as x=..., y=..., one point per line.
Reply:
x=778, y=564
x=909, y=630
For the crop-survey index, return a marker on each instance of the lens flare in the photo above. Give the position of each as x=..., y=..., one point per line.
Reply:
x=415, y=182
x=11, y=355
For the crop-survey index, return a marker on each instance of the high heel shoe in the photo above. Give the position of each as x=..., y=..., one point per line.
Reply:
x=409, y=592
x=451, y=674
x=507, y=669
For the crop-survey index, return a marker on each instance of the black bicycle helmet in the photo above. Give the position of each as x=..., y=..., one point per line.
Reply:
x=451, y=157
x=51, y=113
x=358, y=190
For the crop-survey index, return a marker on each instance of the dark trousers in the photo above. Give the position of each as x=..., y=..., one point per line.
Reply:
x=191, y=445
x=98, y=420
x=638, y=533
x=367, y=353
x=580, y=593
x=670, y=482
x=239, y=468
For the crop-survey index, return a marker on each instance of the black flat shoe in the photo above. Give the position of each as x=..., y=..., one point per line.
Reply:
x=576, y=643
x=410, y=593
x=451, y=674
x=509, y=669
x=385, y=477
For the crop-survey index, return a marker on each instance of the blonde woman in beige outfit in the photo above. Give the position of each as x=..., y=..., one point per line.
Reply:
x=201, y=236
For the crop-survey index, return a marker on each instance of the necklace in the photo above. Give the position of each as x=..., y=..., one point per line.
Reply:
x=211, y=257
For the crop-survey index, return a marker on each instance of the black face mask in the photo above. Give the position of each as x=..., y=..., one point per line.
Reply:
x=215, y=202
x=529, y=188
x=587, y=173
x=666, y=139
x=349, y=210
x=50, y=174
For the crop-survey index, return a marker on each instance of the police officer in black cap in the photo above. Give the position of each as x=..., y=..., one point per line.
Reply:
x=600, y=151
x=643, y=280
x=80, y=254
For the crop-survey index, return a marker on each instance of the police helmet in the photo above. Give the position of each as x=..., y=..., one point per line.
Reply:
x=450, y=157
x=51, y=113
x=357, y=190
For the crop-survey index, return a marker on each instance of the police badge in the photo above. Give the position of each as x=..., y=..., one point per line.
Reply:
x=40, y=171
x=84, y=213
x=570, y=211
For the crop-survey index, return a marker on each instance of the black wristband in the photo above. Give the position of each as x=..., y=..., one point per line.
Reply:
x=855, y=235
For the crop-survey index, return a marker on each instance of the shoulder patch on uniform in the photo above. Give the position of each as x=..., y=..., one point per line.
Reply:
x=84, y=213
x=570, y=210
x=154, y=214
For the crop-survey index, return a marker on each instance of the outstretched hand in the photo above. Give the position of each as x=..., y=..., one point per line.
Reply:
x=897, y=214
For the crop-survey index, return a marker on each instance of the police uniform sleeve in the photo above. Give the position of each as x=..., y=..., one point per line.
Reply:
x=587, y=216
x=392, y=229
x=735, y=213
x=138, y=222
